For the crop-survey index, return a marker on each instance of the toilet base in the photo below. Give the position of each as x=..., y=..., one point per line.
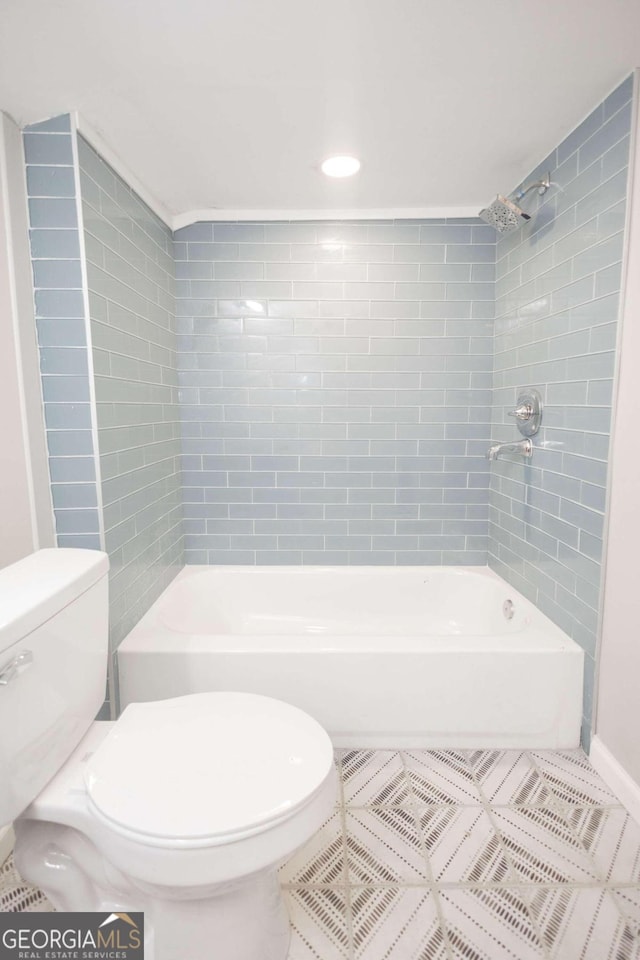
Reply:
x=245, y=920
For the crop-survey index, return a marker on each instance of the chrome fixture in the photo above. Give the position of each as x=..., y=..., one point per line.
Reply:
x=522, y=447
x=508, y=609
x=11, y=669
x=528, y=412
x=528, y=415
x=505, y=215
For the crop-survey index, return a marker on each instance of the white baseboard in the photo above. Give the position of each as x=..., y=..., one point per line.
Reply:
x=7, y=840
x=616, y=777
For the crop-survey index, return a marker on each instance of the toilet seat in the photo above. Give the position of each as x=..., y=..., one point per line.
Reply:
x=206, y=769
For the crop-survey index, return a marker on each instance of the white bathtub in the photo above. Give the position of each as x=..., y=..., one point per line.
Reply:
x=381, y=656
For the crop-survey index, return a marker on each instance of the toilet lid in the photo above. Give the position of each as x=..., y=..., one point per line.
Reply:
x=207, y=766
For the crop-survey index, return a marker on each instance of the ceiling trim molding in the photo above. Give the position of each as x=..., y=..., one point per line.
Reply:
x=382, y=213
x=99, y=144
x=176, y=221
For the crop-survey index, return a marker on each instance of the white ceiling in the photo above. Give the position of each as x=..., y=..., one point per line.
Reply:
x=227, y=107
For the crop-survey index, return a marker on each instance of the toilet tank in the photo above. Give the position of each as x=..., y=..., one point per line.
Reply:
x=53, y=665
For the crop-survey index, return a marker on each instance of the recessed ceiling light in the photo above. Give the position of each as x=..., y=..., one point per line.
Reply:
x=340, y=166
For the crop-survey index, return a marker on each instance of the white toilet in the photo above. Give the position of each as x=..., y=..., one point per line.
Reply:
x=182, y=808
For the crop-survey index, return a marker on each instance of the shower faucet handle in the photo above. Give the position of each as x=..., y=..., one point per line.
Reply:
x=523, y=412
x=528, y=412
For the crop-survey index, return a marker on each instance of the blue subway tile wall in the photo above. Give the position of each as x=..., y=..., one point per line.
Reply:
x=62, y=330
x=335, y=387
x=130, y=278
x=557, y=298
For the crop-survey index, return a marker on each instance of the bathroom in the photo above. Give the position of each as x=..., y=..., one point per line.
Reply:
x=248, y=367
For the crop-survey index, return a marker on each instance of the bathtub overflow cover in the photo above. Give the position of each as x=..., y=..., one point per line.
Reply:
x=508, y=609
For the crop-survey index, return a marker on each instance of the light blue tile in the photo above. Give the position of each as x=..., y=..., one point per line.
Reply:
x=599, y=256
x=65, y=389
x=483, y=272
x=608, y=280
x=603, y=337
x=293, y=542
x=416, y=253
x=239, y=232
x=76, y=521
x=58, y=124
x=471, y=253
x=483, y=234
x=256, y=511
x=71, y=469
x=52, y=212
x=444, y=272
x=614, y=129
x=68, y=361
x=279, y=557
x=194, y=270
x=582, y=517
x=73, y=495
x=59, y=303
x=85, y=541
x=195, y=232
x=67, y=416
x=49, y=181
x=620, y=96
x=63, y=244
x=582, y=132
x=372, y=557
x=614, y=168
x=212, y=251
x=445, y=233
x=57, y=274
x=600, y=392
x=573, y=294
x=48, y=149
x=275, y=233
x=469, y=291
x=61, y=332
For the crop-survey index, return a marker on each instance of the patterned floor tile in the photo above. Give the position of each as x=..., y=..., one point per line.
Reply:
x=521, y=846
x=17, y=896
x=509, y=777
x=439, y=776
x=321, y=862
x=613, y=840
x=373, y=777
x=462, y=846
x=572, y=779
x=542, y=846
x=383, y=846
x=582, y=925
x=396, y=923
x=489, y=924
x=628, y=902
x=319, y=926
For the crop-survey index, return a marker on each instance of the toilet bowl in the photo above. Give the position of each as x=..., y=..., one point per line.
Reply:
x=183, y=808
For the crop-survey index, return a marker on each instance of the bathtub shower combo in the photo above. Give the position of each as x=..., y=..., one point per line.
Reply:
x=380, y=656
x=416, y=656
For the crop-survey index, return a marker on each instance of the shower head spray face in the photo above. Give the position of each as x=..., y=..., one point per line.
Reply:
x=504, y=215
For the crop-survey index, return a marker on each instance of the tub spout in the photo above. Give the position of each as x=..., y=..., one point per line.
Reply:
x=522, y=447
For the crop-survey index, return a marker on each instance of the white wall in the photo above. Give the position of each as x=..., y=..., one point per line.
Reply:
x=616, y=749
x=26, y=518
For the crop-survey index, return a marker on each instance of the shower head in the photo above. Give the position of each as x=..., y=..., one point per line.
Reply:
x=505, y=215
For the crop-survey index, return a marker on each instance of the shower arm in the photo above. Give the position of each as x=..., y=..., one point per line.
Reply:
x=542, y=185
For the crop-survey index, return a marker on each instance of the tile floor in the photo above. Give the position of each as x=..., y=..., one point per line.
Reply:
x=465, y=855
